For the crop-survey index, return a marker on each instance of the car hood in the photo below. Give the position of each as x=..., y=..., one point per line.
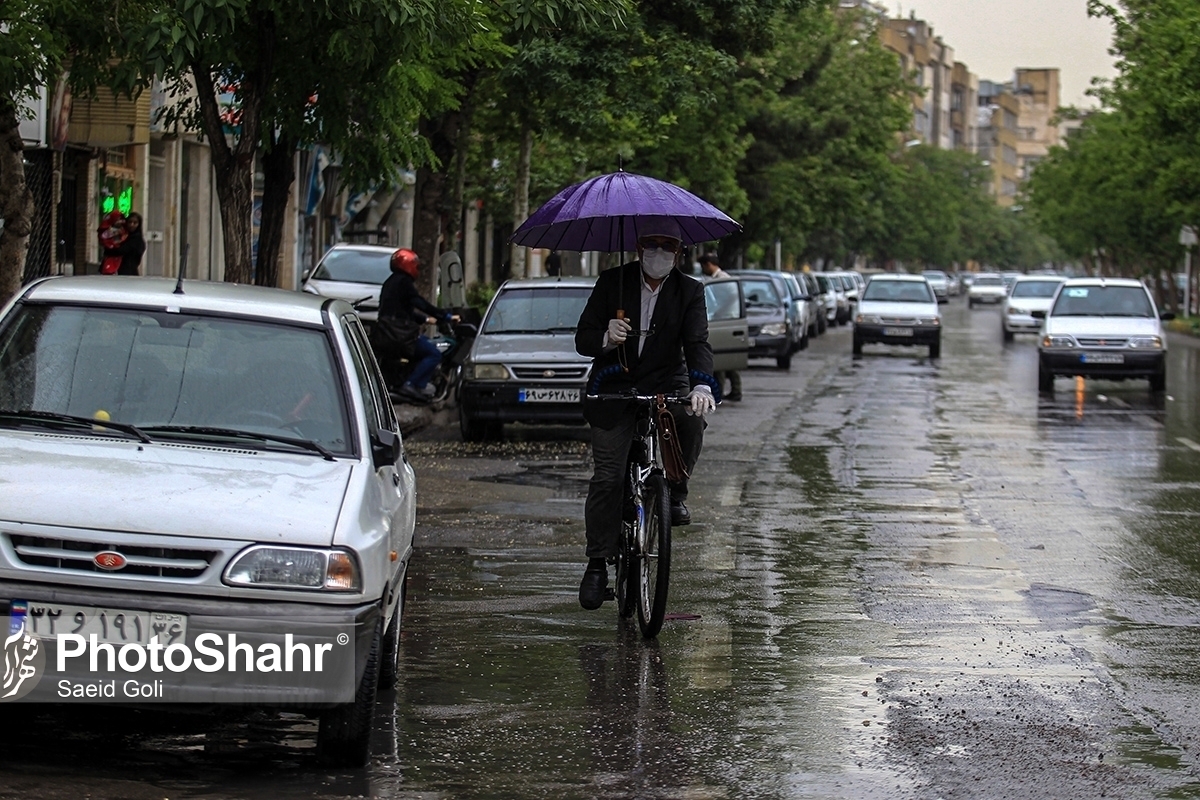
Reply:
x=882, y=308
x=985, y=289
x=1031, y=303
x=343, y=290
x=1115, y=327
x=558, y=348
x=194, y=490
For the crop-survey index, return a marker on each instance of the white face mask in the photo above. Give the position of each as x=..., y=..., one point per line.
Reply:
x=656, y=263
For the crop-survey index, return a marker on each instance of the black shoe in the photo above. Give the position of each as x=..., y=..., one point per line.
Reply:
x=408, y=394
x=734, y=397
x=680, y=514
x=592, y=588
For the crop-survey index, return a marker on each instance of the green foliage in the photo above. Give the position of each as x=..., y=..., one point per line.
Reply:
x=479, y=295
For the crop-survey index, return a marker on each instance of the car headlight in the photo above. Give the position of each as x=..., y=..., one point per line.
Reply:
x=774, y=329
x=1146, y=342
x=867, y=319
x=1015, y=311
x=1058, y=341
x=295, y=568
x=487, y=372
x=934, y=321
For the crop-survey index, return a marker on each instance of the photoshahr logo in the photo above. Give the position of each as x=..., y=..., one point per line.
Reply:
x=24, y=662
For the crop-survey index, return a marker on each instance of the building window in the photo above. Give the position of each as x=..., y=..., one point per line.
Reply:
x=1010, y=155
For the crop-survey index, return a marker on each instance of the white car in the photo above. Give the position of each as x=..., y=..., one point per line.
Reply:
x=1103, y=328
x=354, y=273
x=940, y=282
x=987, y=287
x=1028, y=294
x=203, y=465
x=898, y=309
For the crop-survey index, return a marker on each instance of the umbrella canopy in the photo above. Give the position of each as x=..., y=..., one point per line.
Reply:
x=606, y=213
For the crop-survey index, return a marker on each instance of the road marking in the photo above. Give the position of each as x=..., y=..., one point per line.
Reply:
x=731, y=495
x=1188, y=443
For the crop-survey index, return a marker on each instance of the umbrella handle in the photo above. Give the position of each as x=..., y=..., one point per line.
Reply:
x=620, y=313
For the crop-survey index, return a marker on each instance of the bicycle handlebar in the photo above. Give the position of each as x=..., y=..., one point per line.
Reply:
x=593, y=388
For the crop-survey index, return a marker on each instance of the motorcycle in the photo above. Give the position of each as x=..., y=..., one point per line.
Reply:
x=454, y=343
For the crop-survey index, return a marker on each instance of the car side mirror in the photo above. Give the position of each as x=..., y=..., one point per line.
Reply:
x=1038, y=314
x=1167, y=316
x=385, y=448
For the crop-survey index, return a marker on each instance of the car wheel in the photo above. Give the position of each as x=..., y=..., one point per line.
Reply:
x=344, y=731
x=1158, y=381
x=389, y=668
x=822, y=325
x=1045, y=380
x=784, y=362
x=935, y=348
x=857, y=346
x=473, y=430
x=804, y=340
x=970, y=304
x=1008, y=335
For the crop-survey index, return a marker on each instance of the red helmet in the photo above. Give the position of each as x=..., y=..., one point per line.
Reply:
x=405, y=260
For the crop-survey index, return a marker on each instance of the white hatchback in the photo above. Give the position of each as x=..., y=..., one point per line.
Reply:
x=898, y=309
x=987, y=287
x=204, y=462
x=1028, y=294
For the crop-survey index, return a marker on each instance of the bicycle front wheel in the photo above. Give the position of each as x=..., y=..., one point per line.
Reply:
x=654, y=556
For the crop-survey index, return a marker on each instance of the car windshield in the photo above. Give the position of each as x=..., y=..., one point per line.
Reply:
x=935, y=275
x=760, y=293
x=552, y=309
x=988, y=280
x=154, y=368
x=1103, y=301
x=355, y=266
x=898, y=292
x=1035, y=288
x=721, y=300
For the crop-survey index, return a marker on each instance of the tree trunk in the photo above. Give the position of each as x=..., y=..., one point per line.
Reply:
x=278, y=165
x=520, y=267
x=233, y=167
x=431, y=193
x=16, y=203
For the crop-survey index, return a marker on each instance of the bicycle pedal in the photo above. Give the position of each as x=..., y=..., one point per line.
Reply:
x=610, y=594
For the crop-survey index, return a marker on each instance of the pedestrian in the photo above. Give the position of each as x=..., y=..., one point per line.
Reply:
x=554, y=264
x=711, y=267
x=402, y=311
x=132, y=248
x=661, y=341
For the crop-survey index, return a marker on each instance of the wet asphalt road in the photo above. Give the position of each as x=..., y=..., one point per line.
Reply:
x=906, y=579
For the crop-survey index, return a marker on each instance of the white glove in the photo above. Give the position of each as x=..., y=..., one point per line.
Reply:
x=701, y=399
x=618, y=330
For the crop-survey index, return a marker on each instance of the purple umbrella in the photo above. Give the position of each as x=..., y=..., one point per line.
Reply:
x=605, y=214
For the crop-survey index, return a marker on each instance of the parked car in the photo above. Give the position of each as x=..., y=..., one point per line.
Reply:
x=797, y=321
x=523, y=366
x=354, y=273
x=898, y=309
x=850, y=289
x=1030, y=293
x=727, y=324
x=195, y=459
x=767, y=311
x=1102, y=328
x=986, y=287
x=837, y=306
x=939, y=281
x=817, y=302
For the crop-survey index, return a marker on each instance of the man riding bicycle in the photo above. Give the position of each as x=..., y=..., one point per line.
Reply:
x=661, y=343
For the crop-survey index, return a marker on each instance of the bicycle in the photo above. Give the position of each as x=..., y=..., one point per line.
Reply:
x=643, y=561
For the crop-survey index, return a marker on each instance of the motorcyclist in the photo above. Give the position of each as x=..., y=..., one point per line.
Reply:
x=400, y=300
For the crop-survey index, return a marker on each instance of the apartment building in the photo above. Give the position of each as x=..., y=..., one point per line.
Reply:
x=998, y=115
x=1039, y=94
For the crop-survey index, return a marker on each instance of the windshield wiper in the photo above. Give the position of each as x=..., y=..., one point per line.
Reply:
x=52, y=418
x=233, y=433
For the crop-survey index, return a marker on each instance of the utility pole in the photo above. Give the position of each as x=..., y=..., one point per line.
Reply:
x=1187, y=238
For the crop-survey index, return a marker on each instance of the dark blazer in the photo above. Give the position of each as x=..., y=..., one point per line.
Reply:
x=677, y=346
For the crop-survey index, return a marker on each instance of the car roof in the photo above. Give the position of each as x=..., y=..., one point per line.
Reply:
x=898, y=276
x=365, y=248
x=1104, y=282
x=197, y=296
x=578, y=281
x=1041, y=278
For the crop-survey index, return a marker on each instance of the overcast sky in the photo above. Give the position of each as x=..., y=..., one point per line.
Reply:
x=994, y=37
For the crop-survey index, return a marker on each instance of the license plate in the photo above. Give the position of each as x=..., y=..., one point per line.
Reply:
x=897, y=331
x=114, y=625
x=548, y=396
x=1102, y=358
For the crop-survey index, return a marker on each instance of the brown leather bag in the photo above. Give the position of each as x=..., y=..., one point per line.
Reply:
x=668, y=443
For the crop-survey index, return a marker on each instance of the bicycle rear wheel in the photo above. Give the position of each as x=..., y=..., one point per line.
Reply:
x=654, y=556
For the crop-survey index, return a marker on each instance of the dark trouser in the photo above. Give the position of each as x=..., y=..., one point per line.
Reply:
x=735, y=381
x=427, y=357
x=610, y=455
